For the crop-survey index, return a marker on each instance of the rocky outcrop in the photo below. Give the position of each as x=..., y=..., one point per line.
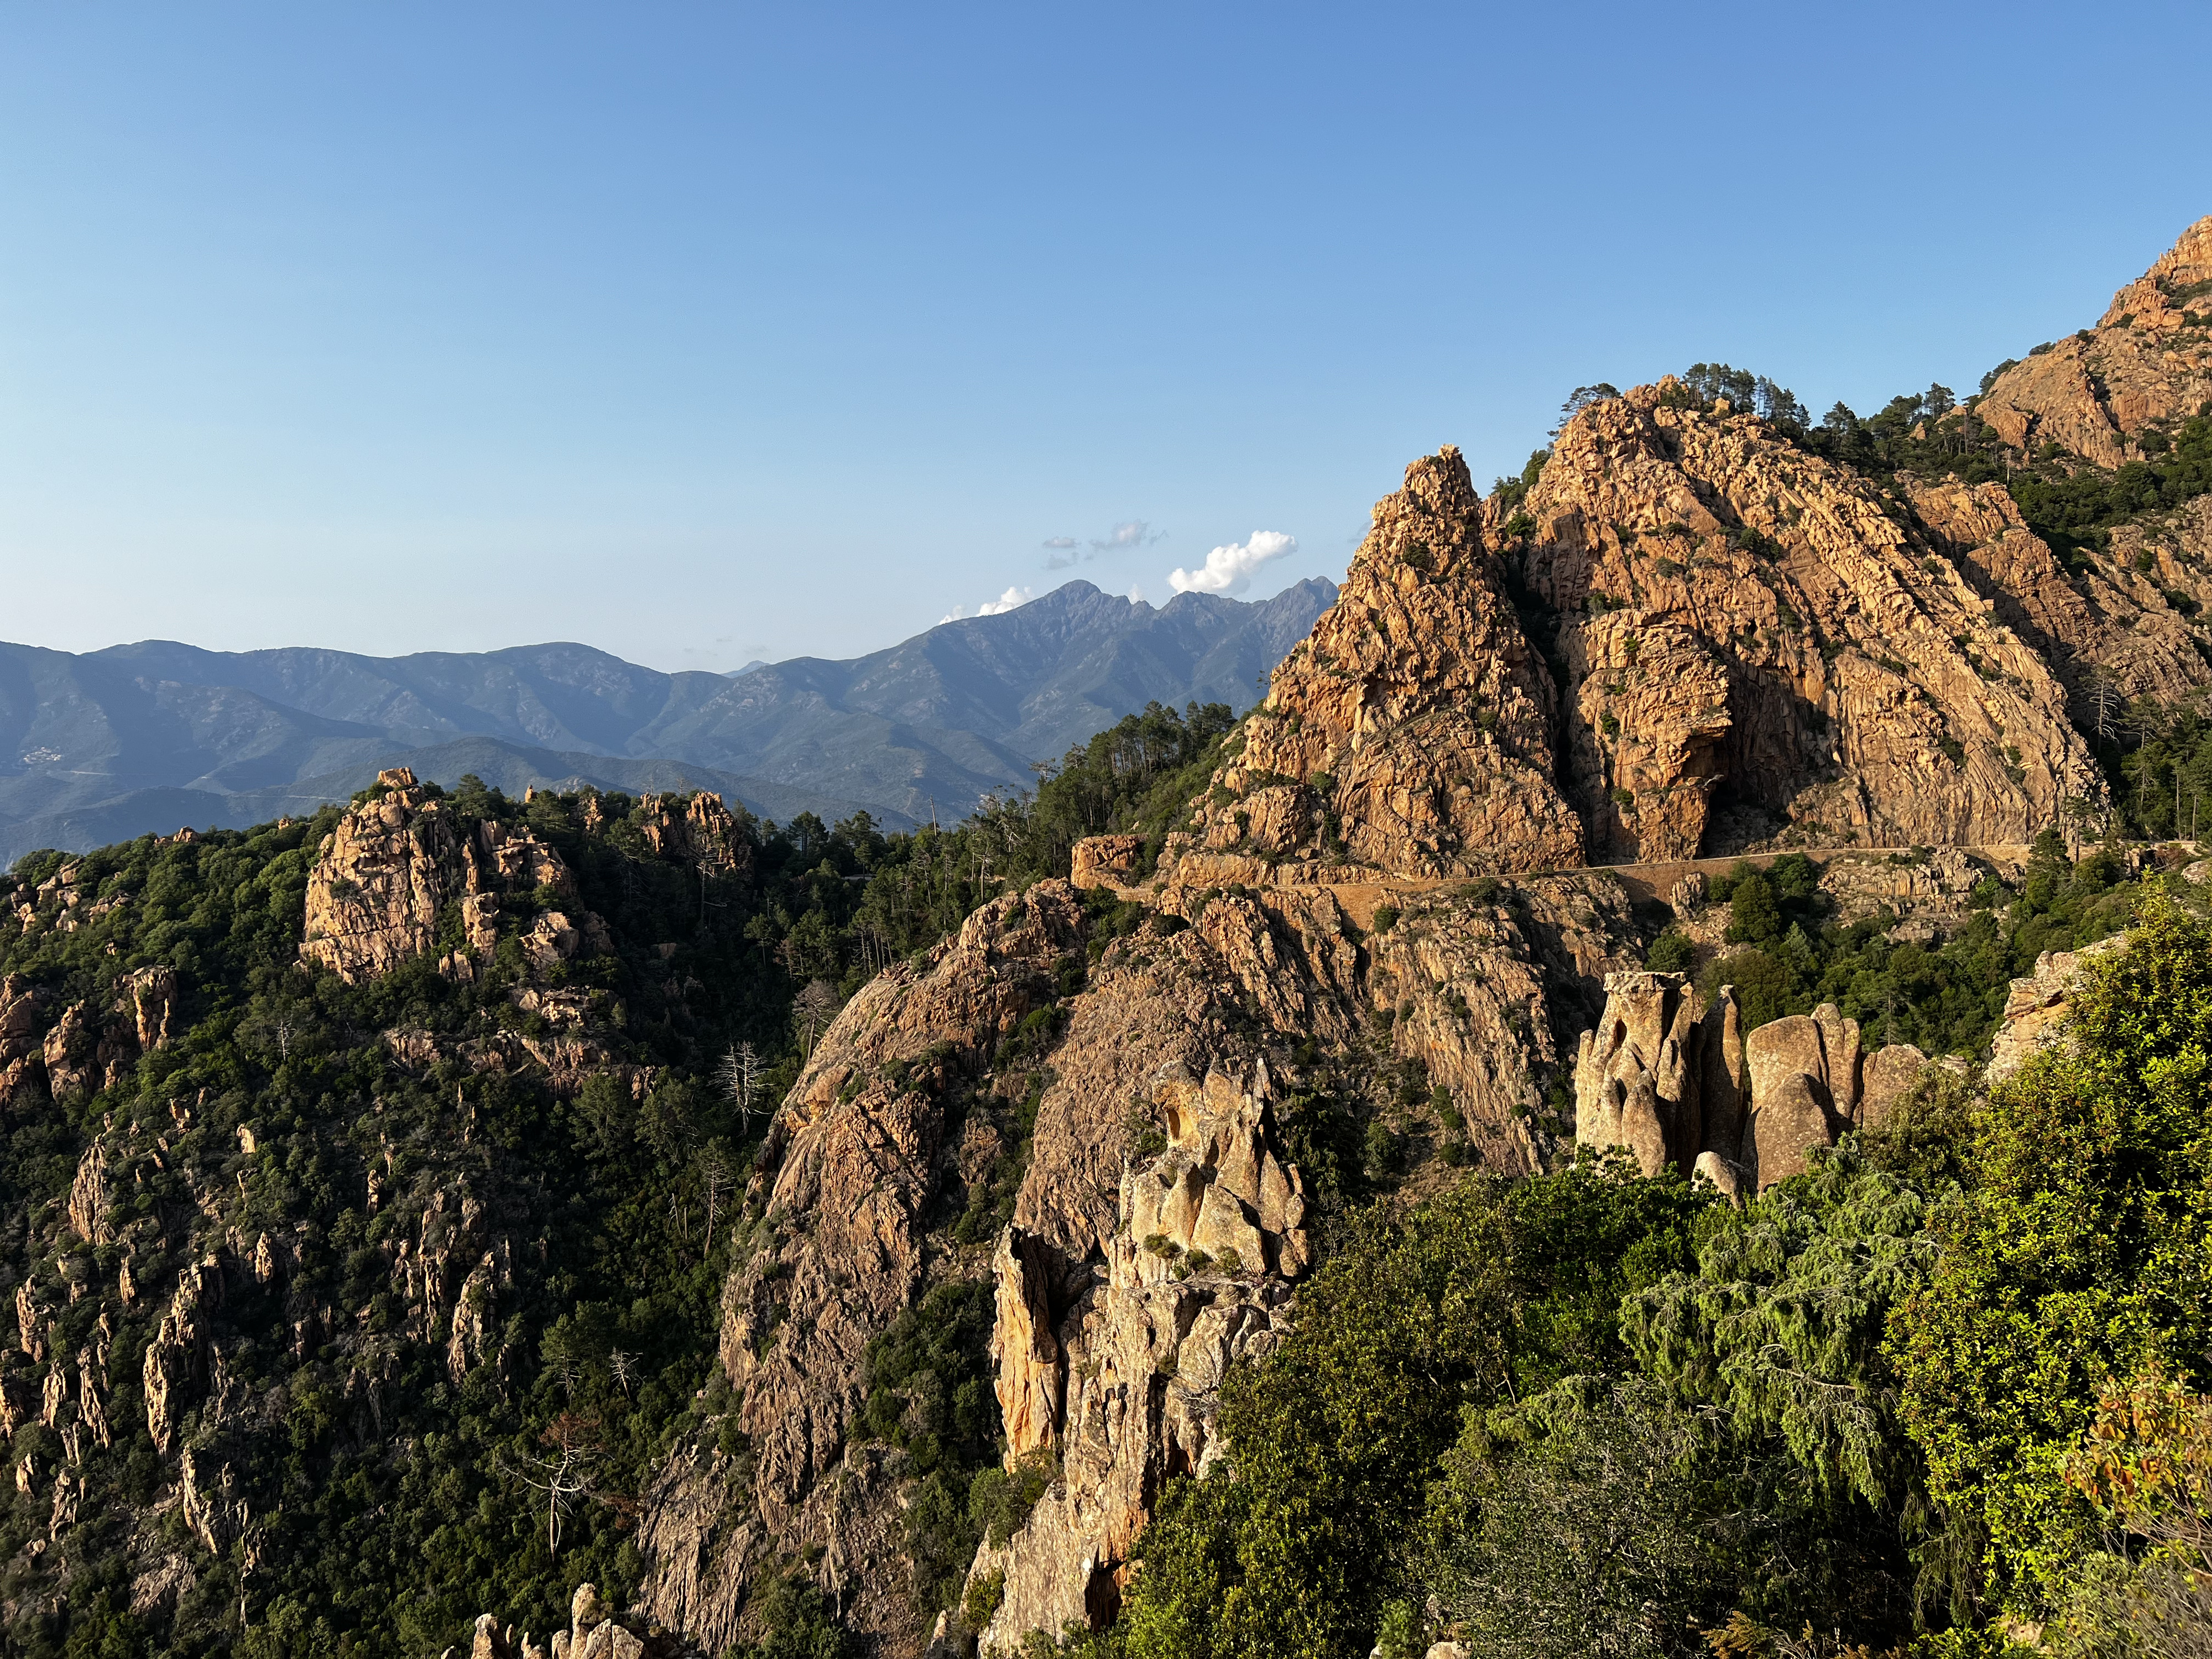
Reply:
x=1484, y=989
x=1108, y=861
x=1217, y=1192
x=380, y=880
x=1027, y=1368
x=1661, y=1077
x=1721, y=640
x=156, y=1018
x=386, y=879
x=1804, y=1072
x=1678, y=1084
x=1209, y=1233
x=855, y=1155
x=594, y=1631
x=2147, y=363
x=1159, y=1003
x=699, y=830
x=213, y=1509
x=1119, y=1265
x=1759, y=646
x=22, y=1052
x=2039, y=1004
x=173, y=1366
x=90, y=1197
x=1652, y=704
x=1412, y=734
x=2110, y=619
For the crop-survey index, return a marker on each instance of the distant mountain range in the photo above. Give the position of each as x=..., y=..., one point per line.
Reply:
x=111, y=744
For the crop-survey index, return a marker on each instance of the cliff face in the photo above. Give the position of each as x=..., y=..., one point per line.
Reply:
x=1159, y=1222
x=1116, y=1373
x=1762, y=646
x=2149, y=360
x=2125, y=614
x=1754, y=646
x=1412, y=733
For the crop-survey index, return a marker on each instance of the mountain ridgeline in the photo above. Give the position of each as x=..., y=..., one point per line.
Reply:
x=1648, y=1100
x=141, y=738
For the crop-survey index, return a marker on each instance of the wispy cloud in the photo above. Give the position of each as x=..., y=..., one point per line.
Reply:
x=1123, y=537
x=1230, y=569
x=1065, y=552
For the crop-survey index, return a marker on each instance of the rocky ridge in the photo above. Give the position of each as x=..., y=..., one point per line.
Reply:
x=1690, y=636
x=2149, y=360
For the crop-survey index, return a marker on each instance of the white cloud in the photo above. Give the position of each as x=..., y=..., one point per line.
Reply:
x=1230, y=569
x=1059, y=544
x=1136, y=594
x=1011, y=599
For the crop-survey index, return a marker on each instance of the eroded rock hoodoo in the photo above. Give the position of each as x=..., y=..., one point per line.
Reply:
x=1677, y=1082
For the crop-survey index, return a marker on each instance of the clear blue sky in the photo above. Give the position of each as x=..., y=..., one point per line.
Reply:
x=704, y=333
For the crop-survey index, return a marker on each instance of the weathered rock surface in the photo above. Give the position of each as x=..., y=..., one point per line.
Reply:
x=2039, y=1005
x=1758, y=648
x=1105, y=861
x=22, y=1051
x=1677, y=1083
x=698, y=828
x=855, y=1152
x=594, y=1631
x=2147, y=361
x=2112, y=619
x=1209, y=1232
x=1414, y=733
x=384, y=879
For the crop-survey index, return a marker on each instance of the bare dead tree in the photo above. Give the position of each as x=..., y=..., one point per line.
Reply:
x=814, y=1007
x=624, y=1368
x=739, y=1076
x=561, y=1362
x=2104, y=701
x=716, y=1180
x=572, y=1439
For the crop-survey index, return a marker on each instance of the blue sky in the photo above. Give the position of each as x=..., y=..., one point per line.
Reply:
x=702, y=333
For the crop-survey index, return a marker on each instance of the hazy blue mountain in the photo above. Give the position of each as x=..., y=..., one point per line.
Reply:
x=113, y=743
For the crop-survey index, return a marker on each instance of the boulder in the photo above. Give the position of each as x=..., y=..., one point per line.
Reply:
x=1109, y=861
x=1888, y=1075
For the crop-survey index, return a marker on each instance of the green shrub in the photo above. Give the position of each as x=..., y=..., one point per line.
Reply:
x=2078, y=1256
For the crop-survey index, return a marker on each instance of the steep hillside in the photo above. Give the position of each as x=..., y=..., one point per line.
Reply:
x=143, y=737
x=1268, y=1191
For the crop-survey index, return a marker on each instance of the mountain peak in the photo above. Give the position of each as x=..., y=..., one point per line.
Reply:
x=2147, y=364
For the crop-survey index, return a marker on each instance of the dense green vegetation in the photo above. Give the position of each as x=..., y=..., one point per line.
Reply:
x=1593, y=1414
x=380, y=1494
x=1586, y=1414
x=2078, y=1258
x=1787, y=953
